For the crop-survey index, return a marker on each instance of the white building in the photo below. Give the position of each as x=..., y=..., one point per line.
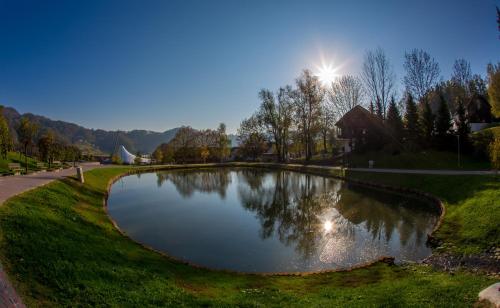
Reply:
x=129, y=158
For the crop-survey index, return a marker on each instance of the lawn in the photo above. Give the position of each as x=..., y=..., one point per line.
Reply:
x=495, y=130
x=13, y=157
x=60, y=249
x=421, y=160
x=472, y=206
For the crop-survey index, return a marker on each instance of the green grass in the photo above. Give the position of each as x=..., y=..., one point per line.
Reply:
x=421, y=160
x=13, y=157
x=60, y=249
x=472, y=206
x=495, y=130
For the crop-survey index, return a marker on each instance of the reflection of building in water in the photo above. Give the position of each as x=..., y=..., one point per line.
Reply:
x=187, y=182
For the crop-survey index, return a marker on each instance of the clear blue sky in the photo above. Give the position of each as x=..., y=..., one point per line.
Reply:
x=161, y=64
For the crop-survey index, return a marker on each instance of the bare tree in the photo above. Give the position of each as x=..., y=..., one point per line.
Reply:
x=345, y=93
x=285, y=112
x=308, y=109
x=461, y=73
x=422, y=72
x=378, y=77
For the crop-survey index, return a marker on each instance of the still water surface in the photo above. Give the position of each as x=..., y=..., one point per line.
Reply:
x=257, y=220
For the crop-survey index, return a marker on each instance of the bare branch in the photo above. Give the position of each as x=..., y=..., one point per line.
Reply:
x=378, y=77
x=345, y=94
x=422, y=73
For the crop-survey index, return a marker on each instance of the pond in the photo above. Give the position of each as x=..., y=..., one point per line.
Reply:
x=260, y=220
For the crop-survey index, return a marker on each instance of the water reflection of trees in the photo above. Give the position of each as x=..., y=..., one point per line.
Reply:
x=187, y=182
x=383, y=213
x=290, y=205
x=294, y=207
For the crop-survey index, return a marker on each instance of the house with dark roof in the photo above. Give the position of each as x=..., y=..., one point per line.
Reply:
x=360, y=130
x=478, y=112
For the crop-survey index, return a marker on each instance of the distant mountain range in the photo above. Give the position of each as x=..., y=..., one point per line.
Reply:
x=97, y=141
x=94, y=141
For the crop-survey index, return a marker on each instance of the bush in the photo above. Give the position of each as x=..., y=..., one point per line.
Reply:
x=392, y=149
x=481, y=142
x=115, y=159
x=495, y=154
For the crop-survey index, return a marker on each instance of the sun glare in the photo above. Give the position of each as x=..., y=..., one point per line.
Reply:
x=327, y=74
x=328, y=226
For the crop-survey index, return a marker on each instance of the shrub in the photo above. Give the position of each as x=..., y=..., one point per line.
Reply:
x=481, y=142
x=495, y=154
x=115, y=159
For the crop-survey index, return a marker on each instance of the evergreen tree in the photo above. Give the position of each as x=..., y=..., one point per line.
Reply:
x=426, y=124
x=463, y=128
x=443, y=119
x=394, y=122
x=443, y=123
x=379, y=109
x=411, y=120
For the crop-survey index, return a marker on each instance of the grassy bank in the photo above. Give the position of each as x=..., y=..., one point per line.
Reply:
x=13, y=157
x=420, y=160
x=59, y=248
x=472, y=206
x=494, y=130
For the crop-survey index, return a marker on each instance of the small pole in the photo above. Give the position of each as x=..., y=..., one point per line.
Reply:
x=458, y=150
x=79, y=174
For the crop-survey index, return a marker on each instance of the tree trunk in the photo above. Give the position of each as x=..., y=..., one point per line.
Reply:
x=26, y=159
x=278, y=151
x=325, y=150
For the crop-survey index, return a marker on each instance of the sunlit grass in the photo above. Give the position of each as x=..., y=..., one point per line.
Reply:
x=60, y=249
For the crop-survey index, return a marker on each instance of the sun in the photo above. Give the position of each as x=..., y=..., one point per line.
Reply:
x=327, y=74
x=327, y=226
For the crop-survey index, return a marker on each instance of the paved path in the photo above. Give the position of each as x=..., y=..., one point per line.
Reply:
x=14, y=185
x=8, y=296
x=422, y=171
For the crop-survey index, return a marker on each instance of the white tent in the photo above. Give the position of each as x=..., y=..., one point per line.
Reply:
x=128, y=158
x=125, y=156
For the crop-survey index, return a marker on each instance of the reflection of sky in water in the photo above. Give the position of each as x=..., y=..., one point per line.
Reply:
x=268, y=221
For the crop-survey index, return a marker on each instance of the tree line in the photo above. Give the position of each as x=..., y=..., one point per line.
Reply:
x=195, y=146
x=299, y=121
x=34, y=143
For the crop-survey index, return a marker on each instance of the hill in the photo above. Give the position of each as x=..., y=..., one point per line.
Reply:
x=95, y=141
